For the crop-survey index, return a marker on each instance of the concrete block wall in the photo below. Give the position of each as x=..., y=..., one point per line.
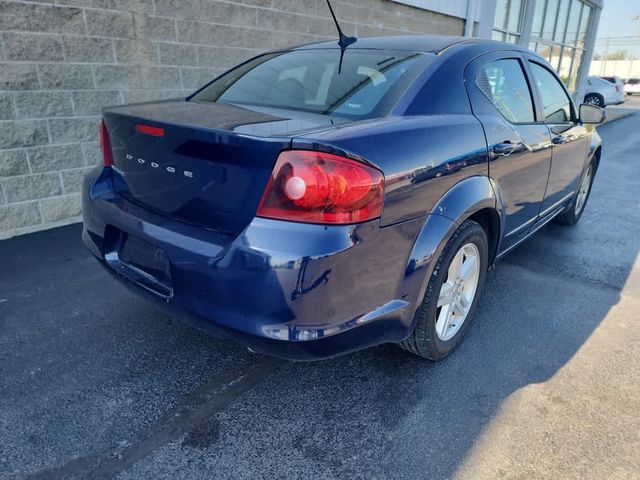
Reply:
x=61, y=61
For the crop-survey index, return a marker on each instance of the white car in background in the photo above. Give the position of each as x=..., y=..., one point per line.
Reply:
x=601, y=93
x=632, y=87
x=616, y=80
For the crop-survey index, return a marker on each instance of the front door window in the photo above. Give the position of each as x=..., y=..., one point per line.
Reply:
x=556, y=104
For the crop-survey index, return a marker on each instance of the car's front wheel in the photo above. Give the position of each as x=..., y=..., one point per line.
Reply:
x=452, y=294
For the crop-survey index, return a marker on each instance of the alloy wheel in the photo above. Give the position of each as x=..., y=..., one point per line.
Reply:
x=593, y=100
x=458, y=291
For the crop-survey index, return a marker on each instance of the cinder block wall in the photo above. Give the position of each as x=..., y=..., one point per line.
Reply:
x=61, y=61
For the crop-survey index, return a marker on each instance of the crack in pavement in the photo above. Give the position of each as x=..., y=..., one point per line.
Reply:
x=198, y=406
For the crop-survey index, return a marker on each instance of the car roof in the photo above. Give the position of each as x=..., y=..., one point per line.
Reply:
x=415, y=43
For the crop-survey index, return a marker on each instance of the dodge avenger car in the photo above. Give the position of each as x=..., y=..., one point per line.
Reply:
x=322, y=199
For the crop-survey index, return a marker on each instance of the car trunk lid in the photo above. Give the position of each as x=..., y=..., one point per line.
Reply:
x=202, y=163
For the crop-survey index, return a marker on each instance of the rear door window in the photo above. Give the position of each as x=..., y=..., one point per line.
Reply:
x=364, y=84
x=505, y=84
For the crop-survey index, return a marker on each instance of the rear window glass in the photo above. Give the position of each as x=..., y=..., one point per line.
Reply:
x=366, y=84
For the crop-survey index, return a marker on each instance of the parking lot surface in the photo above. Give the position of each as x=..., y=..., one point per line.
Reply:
x=97, y=383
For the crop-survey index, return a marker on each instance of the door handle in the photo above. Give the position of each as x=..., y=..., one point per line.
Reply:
x=505, y=148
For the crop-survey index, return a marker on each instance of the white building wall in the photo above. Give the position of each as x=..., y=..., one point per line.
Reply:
x=622, y=68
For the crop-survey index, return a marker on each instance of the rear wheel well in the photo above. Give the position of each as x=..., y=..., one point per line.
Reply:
x=490, y=222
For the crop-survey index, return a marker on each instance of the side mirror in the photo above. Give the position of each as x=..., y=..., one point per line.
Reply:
x=592, y=114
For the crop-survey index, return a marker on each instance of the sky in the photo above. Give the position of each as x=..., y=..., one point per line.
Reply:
x=617, y=31
x=616, y=16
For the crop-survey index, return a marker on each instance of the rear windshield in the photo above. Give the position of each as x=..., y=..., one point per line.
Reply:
x=366, y=84
x=634, y=81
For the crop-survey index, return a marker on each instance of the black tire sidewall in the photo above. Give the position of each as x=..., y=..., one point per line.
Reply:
x=469, y=232
x=570, y=217
x=591, y=166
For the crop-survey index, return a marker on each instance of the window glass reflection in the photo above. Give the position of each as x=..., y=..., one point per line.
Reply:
x=573, y=76
x=574, y=20
x=584, y=22
x=550, y=19
x=515, y=13
x=501, y=14
x=538, y=16
x=562, y=20
x=555, y=102
x=554, y=56
x=513, y=38
x=558, y=34
x=564, y=71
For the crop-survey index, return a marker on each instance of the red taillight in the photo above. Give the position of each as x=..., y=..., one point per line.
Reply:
x=105, y=146
x=149, y=130
x=317, y=187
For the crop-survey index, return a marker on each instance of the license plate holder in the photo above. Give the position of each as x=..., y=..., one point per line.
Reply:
x=141, y=262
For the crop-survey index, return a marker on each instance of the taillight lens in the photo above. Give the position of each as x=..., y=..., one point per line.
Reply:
x=317, y=187
x=105, y=145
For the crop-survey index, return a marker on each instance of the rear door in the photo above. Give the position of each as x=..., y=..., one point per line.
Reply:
x=519, y=145
x=570, y=138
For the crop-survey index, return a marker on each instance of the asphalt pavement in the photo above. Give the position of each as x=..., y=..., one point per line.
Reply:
x=97, y=383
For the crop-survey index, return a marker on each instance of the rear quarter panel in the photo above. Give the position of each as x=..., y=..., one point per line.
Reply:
x=422, y=157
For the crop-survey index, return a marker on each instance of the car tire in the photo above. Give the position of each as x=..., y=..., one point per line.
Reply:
x=594, y=99
x=572, y=214
x=427, y=339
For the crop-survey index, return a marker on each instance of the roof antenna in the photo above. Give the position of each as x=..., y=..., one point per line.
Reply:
x=343, y=40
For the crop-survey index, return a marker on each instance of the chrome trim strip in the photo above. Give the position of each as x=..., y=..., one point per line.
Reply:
x=555, y=205
x=542, y=222
x=529, y=222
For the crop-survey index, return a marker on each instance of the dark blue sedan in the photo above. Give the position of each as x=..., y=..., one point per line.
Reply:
x=323, y=199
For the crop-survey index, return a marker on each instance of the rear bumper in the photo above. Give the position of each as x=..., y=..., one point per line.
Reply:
x=290, y=290
x=616, y=100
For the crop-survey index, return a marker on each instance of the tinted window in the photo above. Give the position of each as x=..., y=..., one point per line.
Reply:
x=556, y=104
x=504, y=83
x=313, y=81
x=550, y=18
x=561, y=21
